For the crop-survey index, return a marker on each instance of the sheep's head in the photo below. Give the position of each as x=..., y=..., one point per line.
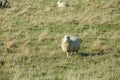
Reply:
x=66, y=38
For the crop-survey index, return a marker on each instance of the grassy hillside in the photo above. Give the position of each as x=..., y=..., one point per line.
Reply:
x=30, y=39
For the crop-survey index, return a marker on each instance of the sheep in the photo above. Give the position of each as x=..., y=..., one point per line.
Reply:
x=4, y=3
x=70, y=44
x=60, y=3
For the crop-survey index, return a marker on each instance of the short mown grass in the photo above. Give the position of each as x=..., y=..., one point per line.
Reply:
x=31, y=33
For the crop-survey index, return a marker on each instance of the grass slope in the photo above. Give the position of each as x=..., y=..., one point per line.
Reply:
x=31, y=32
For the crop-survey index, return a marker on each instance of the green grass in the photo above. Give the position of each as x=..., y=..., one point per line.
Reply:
x=31, y=33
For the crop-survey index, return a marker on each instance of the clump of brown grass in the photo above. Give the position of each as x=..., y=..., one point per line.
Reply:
x=115, y=35
x=100, y=46
x=97, y=45
x=43, y=35
x=99, y=12
x=10, y=45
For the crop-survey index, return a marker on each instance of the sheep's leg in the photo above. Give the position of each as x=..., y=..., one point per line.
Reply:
x=67, y=54
x=71, y=53
x=77, y=52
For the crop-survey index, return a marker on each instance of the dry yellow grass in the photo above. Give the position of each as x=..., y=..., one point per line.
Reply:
x=31, y=33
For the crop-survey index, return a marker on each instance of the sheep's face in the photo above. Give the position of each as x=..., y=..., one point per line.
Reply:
x=66, y=38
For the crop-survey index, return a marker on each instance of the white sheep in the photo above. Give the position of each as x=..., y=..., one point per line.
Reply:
x=70, y=44
x=60, y=3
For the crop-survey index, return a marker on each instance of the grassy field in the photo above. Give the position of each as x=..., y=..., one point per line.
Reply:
x=30, y=40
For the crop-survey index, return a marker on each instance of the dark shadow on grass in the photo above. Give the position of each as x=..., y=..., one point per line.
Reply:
x=84, y=54
x=3, y=7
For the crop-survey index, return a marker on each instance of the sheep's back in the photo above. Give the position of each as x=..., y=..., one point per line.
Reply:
x=75, y=45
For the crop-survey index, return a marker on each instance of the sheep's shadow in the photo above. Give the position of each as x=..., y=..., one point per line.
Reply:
x=84, y=54
x=5, y=7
